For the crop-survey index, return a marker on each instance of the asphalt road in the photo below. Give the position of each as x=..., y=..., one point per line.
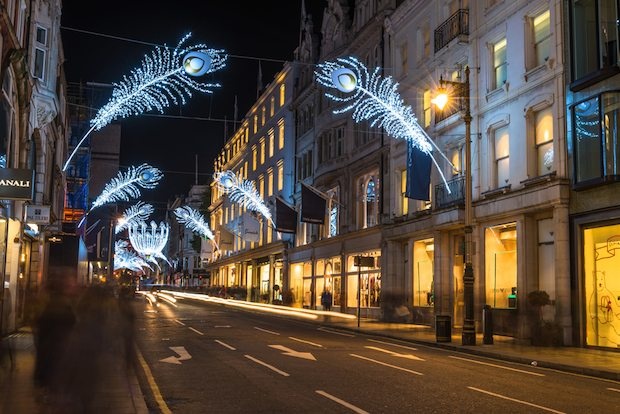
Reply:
x=208, y=358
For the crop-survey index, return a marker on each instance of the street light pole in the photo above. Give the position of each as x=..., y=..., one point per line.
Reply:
x=462, y=92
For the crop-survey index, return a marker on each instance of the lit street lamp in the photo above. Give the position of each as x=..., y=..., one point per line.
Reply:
x=461, y=90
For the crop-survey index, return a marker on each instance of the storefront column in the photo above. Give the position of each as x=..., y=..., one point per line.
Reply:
x=562, y=271
x=272, y=275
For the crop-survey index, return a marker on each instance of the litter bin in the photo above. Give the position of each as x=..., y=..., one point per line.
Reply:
x=443, y=328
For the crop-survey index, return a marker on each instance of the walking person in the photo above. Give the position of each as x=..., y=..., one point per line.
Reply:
x=326, y=300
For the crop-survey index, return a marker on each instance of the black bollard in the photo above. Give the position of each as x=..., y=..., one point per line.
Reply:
x=487, y=325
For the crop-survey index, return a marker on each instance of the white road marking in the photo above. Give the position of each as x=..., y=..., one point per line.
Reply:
x=515, y=400
x=265, y=330
x=293, y=353
x=396, y=354
x=613, y=389
x=390, y=343
x=179, y=322
x=497, y=366
x=225, y=345
x=271, y=367
x=342, y=402
x=179, y=350
x=196, y=330
x=335, y=332
x=387, y=365
x=222, y=326
x=306, y=342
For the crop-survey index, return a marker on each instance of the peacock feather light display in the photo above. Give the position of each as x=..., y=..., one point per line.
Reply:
x=127, y=185
x=166, y=77
x=149, y=240
x=193, y=220
x=138, y=212
x=375, y=99
x=243, y=192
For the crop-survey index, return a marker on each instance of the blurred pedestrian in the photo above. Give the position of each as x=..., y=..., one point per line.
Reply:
x=326, y=300
x=53, y=326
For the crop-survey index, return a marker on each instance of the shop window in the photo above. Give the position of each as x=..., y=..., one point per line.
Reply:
x=404, y=201
x=423, y=274
x=595, y=139
x=501, y=266
x=370, y=287
x=601, y=261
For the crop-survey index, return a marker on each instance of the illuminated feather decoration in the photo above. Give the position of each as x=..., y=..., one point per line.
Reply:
x=195, y=221
x=374, y=99
x=138, y=212
x=163, y=79
x=243, y=192
x=127, y=185
x=124, y=258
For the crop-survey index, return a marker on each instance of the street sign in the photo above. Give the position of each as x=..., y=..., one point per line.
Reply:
x=364, y=261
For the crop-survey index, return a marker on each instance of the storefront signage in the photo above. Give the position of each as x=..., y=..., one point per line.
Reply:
x=364, y=261
x=16, y=184
x=38, y=214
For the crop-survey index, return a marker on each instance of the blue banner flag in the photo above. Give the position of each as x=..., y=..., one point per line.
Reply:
x=418, y=173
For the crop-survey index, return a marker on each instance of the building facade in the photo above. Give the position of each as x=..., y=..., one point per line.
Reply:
x=592, y=124
x=251, y=256
x=33, y=137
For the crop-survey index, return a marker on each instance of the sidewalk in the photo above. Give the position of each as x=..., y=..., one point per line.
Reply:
x=117, y=389
x=593, y=362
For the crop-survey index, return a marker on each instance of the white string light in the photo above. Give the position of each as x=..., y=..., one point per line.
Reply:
x=193, y=220
x=375, y=99
x=243, y=192
x=164, y=78
x=138, y=212
x=127, y=185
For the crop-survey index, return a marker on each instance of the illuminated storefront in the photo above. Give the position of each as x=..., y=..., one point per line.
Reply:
x=370, y=281
x=601, y=285
x=500, y=243
x=423, y=273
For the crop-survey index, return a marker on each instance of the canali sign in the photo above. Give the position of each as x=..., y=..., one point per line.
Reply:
x=16, y=184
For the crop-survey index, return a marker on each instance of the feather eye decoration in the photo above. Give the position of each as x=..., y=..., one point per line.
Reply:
x=374, y=99
x=138, y=212
x=243, y=192
x=127, y=185
x=165, y=77
x=195, y=221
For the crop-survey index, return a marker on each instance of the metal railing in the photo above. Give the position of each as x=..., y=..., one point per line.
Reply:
x=456, y=25
x=456, y=195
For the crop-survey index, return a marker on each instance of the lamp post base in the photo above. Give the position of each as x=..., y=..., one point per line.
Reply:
x=469, y=327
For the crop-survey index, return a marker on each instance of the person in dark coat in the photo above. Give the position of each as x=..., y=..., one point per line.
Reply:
x=53, y=326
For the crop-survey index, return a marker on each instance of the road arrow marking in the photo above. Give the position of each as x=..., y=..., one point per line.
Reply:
x=396, y=354
x=296, y=354
x=179, y=350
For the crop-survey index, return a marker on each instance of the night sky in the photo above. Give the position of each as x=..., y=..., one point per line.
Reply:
x=266, y=30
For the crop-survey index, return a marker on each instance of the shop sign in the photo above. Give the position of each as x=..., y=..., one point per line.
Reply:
x=16, y=184
x=38, y=214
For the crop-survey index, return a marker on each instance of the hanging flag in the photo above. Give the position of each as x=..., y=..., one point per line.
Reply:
x=312, y=205
x=259, y=80
x=418, y=173
x=286, y=217
x=249, y=227
x=226, y=239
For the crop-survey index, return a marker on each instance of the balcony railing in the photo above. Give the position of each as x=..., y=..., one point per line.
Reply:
x=455, y=197
x=456, y=25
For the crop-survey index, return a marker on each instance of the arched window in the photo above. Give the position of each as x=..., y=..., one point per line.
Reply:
x=371, y=203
